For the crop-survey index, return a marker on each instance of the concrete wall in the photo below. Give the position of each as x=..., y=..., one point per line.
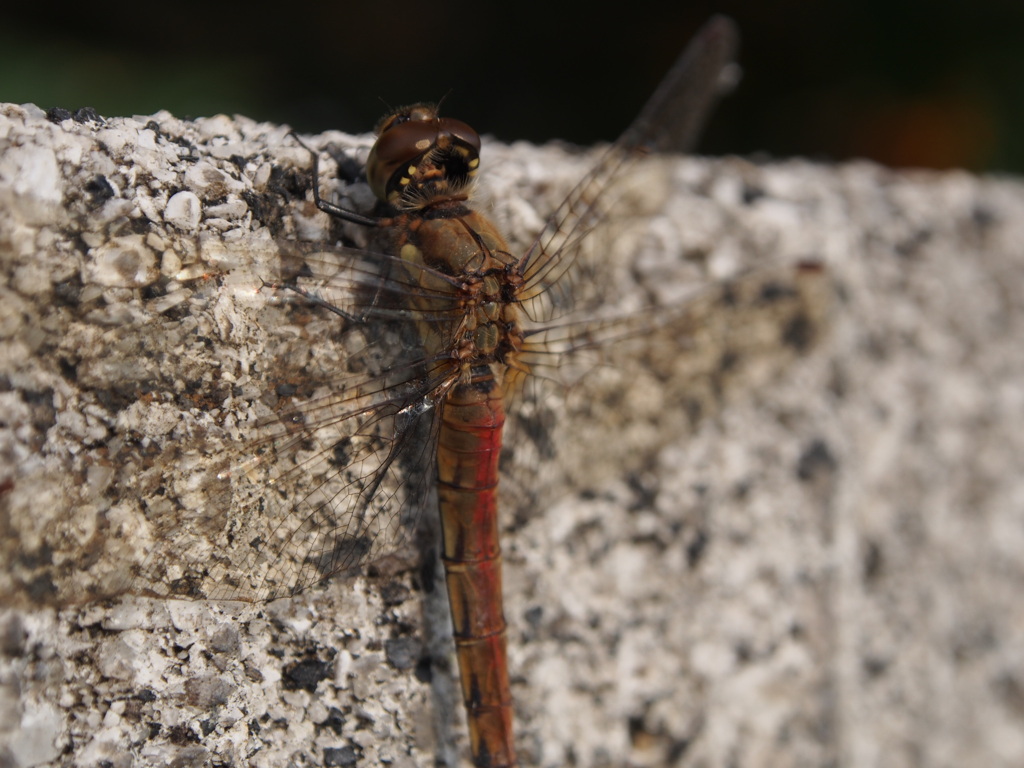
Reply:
x=782, y=525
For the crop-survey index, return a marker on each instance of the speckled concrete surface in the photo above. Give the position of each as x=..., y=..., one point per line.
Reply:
x=753, y=547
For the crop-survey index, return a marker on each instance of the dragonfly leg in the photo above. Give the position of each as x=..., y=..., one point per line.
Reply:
x=330, y=208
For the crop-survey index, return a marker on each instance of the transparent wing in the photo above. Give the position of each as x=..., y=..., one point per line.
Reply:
x=669, y=122
x=334, y=464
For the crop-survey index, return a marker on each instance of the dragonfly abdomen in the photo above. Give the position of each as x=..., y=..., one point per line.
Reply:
x=469, y=445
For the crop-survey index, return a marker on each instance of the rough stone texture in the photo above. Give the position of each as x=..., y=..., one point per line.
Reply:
x=785, y=528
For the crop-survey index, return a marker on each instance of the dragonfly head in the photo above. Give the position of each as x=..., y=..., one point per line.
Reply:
x=419, y=157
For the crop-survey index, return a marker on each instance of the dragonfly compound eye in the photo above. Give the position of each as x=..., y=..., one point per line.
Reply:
x=419, y=155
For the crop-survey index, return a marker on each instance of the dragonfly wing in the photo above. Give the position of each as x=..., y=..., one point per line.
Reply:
x=573, y=295
x=669, y=122
x=345, y=489
x=343, y=475
x=673, y=117
x=318, y=458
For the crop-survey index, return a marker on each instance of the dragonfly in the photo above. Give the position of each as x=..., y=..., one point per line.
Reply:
x=445, y=327
x=483, y=316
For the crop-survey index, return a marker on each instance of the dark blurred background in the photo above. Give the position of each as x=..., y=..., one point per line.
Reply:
x=932, y=83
